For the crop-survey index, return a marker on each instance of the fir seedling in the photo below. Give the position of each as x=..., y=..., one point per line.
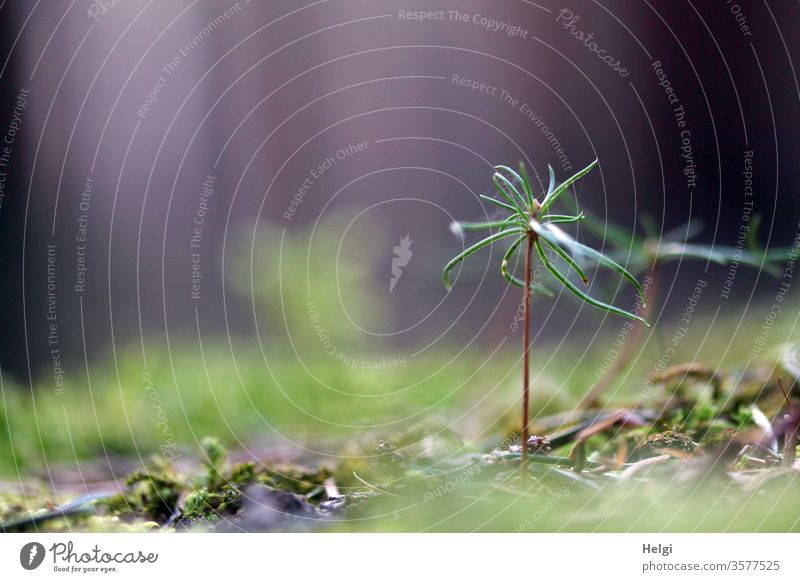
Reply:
x=531, y=224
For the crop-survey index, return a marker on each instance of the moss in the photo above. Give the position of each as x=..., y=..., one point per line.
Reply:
x=243, y=474
x=215, y=457
x=426, y=463
x=667, y=440
x=154, y=494
x=148, y=495
x=295, y=478
x=202, y=504
x=388, y=454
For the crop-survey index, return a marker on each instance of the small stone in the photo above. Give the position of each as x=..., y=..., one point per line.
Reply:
x=538, y=444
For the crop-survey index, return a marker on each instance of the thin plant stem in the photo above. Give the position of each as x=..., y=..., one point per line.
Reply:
x=526, y=347
x=592, y=399
x=790, y=441
x=529, y=221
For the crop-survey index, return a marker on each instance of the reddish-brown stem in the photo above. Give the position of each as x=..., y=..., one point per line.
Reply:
x=632, y=345
x=526, y=347
x=790, y=440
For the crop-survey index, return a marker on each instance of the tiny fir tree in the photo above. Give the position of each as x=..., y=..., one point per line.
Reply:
x=531, y=225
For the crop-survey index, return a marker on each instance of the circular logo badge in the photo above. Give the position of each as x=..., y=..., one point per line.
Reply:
x=31, y=555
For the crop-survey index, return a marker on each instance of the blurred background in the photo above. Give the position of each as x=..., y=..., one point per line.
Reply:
x=203, y=202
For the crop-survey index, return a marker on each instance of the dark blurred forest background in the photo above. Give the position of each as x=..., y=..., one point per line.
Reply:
x=263, y=93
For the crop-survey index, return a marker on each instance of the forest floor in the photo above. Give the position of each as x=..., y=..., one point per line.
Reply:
x=708, y=444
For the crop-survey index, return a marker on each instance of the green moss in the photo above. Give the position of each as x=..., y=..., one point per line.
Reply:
x=149, y=495
x=667, y=440
x=215, y=457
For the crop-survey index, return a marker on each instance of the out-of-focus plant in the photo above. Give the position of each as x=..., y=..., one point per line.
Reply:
x=531, y=224
x=644, y=254
x=643, y=251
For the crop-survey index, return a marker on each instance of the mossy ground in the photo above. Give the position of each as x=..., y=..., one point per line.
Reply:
x=673, y=462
